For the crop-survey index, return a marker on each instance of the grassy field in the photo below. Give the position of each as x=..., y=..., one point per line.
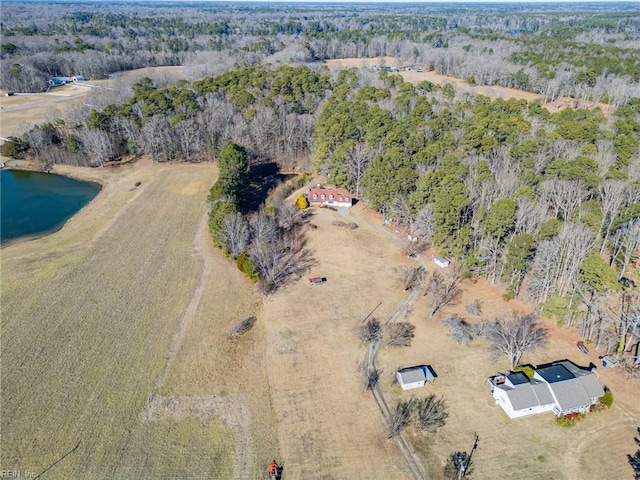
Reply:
x=93, y=318
x=329, y=426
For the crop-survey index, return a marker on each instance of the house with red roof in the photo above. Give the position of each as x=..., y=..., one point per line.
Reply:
x=333, y=196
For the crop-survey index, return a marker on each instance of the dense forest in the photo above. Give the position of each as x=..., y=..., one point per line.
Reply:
x=547, y=205
x=586, y=50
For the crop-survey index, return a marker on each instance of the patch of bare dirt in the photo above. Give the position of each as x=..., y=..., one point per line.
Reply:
x=233, y=410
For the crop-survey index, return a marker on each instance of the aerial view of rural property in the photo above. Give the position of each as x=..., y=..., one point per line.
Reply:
x=251, y=240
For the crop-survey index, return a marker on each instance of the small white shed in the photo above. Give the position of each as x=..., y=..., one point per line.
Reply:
x=415, y=377
x=441, y=262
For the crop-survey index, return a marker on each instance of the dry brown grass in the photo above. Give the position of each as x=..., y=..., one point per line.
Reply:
x=532, y=448
x=326, y=418
x=328, y=425
x=115, y=334
x=90, y=317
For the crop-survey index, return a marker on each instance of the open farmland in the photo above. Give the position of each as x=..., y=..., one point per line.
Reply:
x=21, y=112
x=92, y=318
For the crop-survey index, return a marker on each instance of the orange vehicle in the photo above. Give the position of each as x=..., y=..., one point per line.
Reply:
x=274, y=470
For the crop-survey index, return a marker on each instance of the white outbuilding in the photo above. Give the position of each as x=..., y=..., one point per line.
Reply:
x=441, y=262
x=415, y=377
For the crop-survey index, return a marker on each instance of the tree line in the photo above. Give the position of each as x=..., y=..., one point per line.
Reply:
x=267, y=245
x=270, y=112
x=588, y=52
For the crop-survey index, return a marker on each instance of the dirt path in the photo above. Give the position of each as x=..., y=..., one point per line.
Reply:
x=413, y=462
x=199, y=248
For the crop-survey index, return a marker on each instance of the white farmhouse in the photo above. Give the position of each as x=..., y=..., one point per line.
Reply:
x=560, y=387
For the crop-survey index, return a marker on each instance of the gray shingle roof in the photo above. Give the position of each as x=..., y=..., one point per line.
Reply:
x=416, y=374
x=570, y=394
x=411, y=375
x=521, y=396
x=562, y=383
x=592, y=386
x=543, y=393
x=572, y=386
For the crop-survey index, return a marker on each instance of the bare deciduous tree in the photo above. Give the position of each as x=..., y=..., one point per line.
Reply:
x=422, y=226
x=626, y=241
x=358, y=160
x=97, y=145
x=235, y=233
x=557, y=262
x=563, y=195
x=459, y=330
x=413, y=246
x=444, y=289
x=275, y=264
x=372, y=378
x=370, y=331
x=474, y=308
x=431, y=412
x=412, y=277
x=529, y=216
x=264, y=228
x=513, y=335
x=400, y=417
x=399, y=334
x=613, y=194
x=459, y=464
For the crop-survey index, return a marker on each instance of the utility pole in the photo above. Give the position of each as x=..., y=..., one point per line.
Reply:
x=462, y=472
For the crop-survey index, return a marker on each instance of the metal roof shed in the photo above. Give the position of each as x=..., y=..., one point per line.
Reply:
x=415, y=377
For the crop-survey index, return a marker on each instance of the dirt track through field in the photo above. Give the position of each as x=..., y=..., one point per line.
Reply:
x=329, y=425
x=87, y=325
x=413, y=463
x=190, y=312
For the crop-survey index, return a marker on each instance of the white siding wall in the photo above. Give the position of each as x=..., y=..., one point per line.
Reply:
x=409, y=386
x=503, y=400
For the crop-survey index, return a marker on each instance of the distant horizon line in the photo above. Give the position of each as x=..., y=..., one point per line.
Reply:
x=403, y=2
